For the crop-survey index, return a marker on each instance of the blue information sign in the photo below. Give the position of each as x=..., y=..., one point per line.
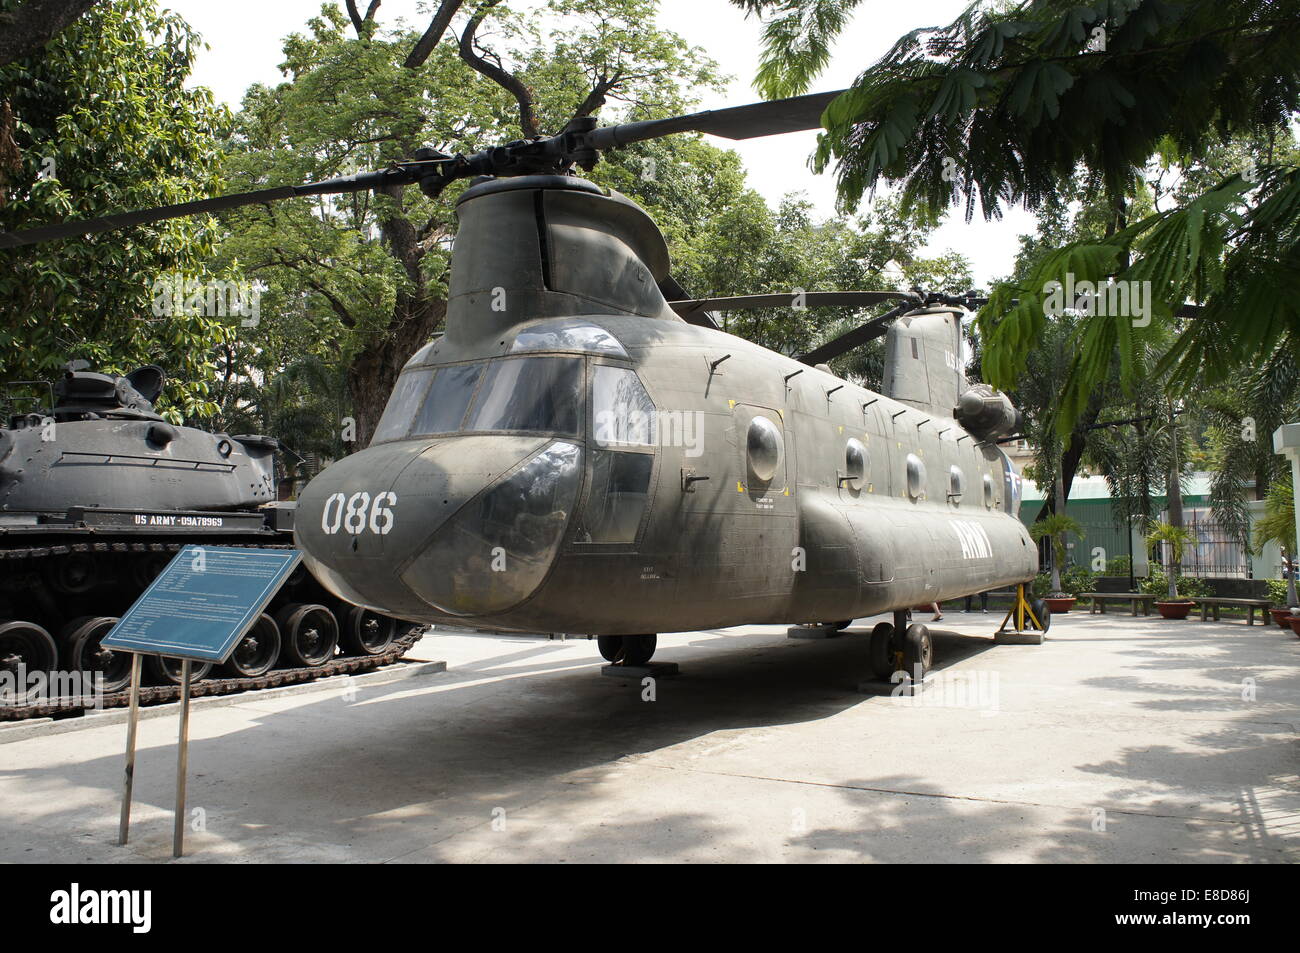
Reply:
x=203, y=603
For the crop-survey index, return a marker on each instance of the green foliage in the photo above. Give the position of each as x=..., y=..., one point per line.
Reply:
x=1278, y=522
x=102, y=123
x=797, y=38
x=1118, y=566
x=1055, y=527
x=1041, y=585
x=1177, y=538
x=1010, y=101
x=1078, y=579
x=1189, y=587
x=1277, y=593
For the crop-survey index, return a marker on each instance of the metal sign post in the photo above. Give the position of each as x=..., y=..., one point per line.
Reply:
x=133, y=722
x=232, y=587
x=182, y=761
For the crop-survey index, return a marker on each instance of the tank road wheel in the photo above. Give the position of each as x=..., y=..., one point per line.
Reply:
x=1042, y=613
x=256, y=652
x=28, y=645
x=167, y=671
x=611, y=647
x=72, y=574
x=87, y=654
x=638, y=649
x=882, y=651
x=367, y=633
x=308, y=634
x=918, y=652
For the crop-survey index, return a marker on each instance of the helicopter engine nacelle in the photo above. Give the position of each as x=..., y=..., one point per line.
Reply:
x=986, y=413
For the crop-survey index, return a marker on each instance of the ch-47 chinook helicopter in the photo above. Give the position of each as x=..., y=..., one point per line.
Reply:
x=577, y=453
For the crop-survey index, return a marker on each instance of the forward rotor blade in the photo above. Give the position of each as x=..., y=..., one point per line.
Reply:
x=348, y=183
x=771, y=118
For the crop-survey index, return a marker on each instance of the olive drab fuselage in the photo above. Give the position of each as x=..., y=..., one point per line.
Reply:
x=573, y=456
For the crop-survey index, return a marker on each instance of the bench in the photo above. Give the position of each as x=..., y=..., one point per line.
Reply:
x=1099, y=600
x=1215, y=603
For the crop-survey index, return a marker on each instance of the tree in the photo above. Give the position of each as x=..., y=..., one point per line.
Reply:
x=27, y=25
x=1278, y=526
x=369, y=271
x=103, y=122
x=1056, y=527
x=1177, y=538
x=1009, y=101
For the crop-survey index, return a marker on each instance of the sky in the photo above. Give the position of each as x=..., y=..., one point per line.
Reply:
x=244, y=39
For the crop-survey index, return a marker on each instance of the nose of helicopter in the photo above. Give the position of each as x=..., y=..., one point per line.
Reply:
x=464, y=525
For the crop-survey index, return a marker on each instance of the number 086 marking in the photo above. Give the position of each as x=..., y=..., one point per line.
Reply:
x=354, y=513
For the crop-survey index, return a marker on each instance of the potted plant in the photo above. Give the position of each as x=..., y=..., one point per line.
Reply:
x=1177, y=538
x=1055, y=527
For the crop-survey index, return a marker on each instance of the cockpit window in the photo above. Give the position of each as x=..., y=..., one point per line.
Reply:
x=541, y=394
x=402, y=404
x=536, y=394
x=448, y=398
x=567, y=334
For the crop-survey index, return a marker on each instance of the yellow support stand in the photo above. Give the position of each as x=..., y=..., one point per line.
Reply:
x=1029, y=628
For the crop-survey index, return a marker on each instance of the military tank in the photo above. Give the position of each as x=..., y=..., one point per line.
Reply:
x=97, y=493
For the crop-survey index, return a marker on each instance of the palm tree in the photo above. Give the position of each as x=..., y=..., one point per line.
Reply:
x=1055, y=527
x=1278, y=526
x=1177, y=538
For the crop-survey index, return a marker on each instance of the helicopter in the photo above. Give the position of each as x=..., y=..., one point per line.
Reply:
x=584, y=450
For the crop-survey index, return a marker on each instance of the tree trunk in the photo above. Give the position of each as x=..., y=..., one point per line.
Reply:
x=1174, y=499
x=373, y=372
x=1059, y=553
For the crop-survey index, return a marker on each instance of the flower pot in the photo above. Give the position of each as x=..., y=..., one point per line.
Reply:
x=1280, y=616
x=1059, y=603
x=1294, y=622
x=1175, y=610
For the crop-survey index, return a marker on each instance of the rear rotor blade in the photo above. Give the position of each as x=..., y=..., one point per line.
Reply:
x=855, y=338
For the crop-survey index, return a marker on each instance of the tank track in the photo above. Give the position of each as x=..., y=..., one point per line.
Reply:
x=158, y=694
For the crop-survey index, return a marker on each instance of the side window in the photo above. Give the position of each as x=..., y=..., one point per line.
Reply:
x=402, y=404
x=448, y=397
x=622, y=412
x=620, y=485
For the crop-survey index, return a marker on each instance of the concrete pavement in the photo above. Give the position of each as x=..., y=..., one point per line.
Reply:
x=1120, y=740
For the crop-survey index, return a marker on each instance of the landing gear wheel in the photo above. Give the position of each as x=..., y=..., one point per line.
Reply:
x=367, y=633
x=638, y=649
x=1042, y=613
x=87, y=654
x=308, y=633
x=26, y=644
x=918, y=653
x=256, y=652
x=611, y=647
x=882, y=651
x=167, y=671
